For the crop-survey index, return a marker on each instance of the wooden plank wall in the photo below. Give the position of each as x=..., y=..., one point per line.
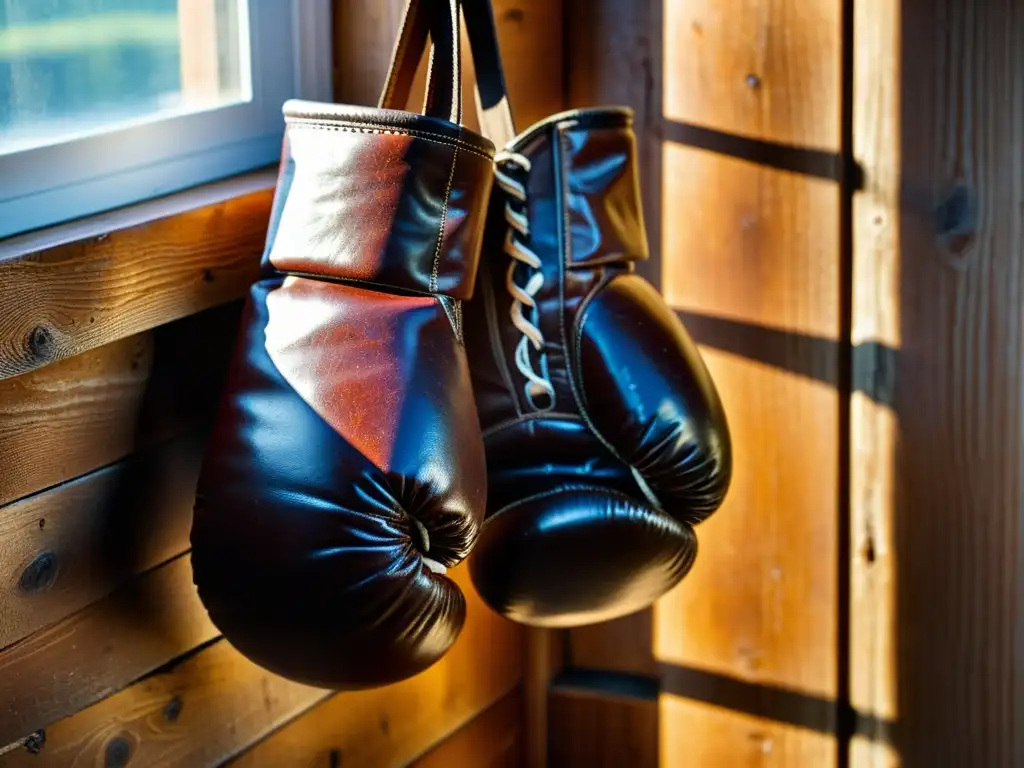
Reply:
x=836, y=191
x=937, y=440
x=113, y=343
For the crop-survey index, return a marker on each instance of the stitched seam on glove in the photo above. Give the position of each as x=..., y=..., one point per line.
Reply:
x=384, y=288
x=444, y=219
x=373, y=128
x=558, y=134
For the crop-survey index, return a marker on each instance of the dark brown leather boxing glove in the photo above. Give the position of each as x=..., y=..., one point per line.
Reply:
x=606, y=441
x=345, y=471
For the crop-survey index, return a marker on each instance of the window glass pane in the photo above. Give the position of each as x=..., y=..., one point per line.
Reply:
x=74, y=67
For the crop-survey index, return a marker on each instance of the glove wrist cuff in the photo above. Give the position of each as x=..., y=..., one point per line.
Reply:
x=380, y=196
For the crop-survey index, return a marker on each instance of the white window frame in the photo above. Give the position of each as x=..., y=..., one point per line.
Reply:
x=289, y=43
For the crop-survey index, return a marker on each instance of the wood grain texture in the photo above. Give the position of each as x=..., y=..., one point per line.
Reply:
x=197, y=713
x=699, y=734
x=391, y=726
x=766, y=69
x=761, y=602
x=59, y=670
x=69, y=298
x=873, y=422
x=939, y=264
x=594, y=730
x=62, y=549
x=93, y=409
x=623, y=645
x=545, y=656
x=492, y=740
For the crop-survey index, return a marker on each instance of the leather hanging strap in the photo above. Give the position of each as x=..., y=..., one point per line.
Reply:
x=493, y=107
x=440, y=19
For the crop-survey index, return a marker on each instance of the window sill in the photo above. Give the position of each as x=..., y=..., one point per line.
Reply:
x=77, y=286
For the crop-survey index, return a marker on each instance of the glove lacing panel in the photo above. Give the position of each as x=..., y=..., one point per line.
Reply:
x=537, y=384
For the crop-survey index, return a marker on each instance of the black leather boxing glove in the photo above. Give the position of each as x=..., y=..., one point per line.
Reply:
x=606, y=441
x=605, y=438
x=345, y=471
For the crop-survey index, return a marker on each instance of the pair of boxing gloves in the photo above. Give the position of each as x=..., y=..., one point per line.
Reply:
x=449, y=352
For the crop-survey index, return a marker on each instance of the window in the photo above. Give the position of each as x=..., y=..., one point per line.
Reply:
x=107, y=102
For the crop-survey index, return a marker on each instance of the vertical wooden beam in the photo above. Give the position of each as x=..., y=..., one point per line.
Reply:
x=543, y=661
x=873, y=422
x=492, y=739
x=364, y=37
x=938, y=320
x=601, y=730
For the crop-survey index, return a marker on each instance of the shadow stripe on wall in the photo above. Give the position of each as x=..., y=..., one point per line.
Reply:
x=817, y=163
x=814, y=357
x=762, y=700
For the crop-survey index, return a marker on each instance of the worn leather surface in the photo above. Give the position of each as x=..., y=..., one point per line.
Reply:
x=592, y=502
x=346, y=463
x=374, y=199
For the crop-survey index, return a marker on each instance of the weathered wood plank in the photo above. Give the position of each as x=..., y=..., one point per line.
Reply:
x=212, y=705
x=545, y=657
x=62, y=669
x=873, y=423
x=62, y=549
x=591, y=729
x=698, y=734
x=761, y=603
x=65, y=299
x=938, y=568
x=492, y=740
x=622, y=645
x=391, y=726
x=767, y=70
x=197, y=713
x=93, y=409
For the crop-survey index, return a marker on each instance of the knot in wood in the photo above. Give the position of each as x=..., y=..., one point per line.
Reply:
x=956, y=219
x=118, y=753
x=34, y=742
x=173, y=709
x=40, y=344
x=40, y=574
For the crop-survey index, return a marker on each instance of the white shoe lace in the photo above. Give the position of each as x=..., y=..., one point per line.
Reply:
x=536, y=384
